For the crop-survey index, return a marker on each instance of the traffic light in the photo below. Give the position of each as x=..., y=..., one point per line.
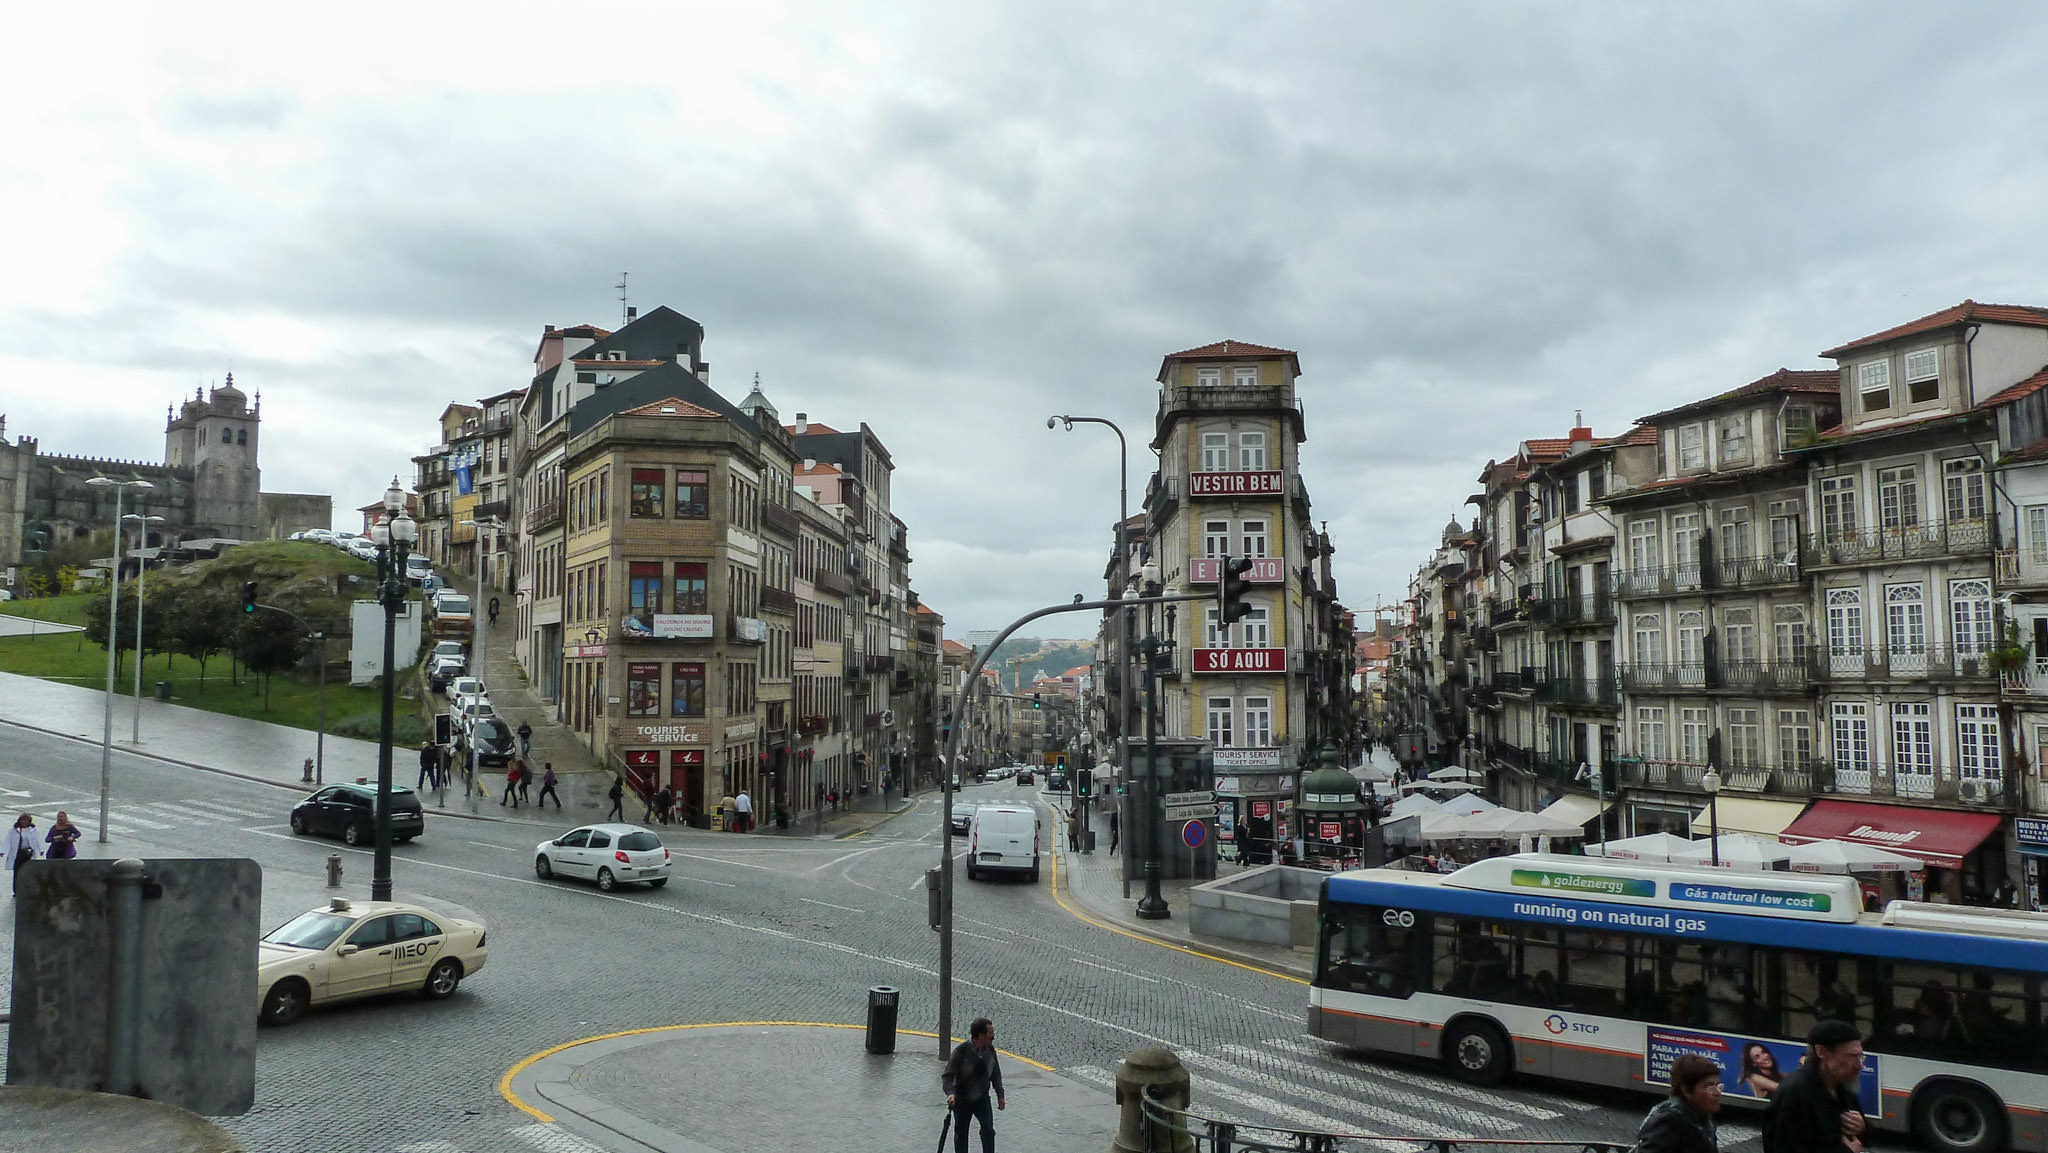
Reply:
x=1059, y=761
x=1084, y=783
x=1232, y=582
x=1035, y=702
x=249, y=597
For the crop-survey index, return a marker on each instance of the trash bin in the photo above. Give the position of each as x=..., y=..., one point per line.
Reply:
x=882, y=1019
x=163, y=690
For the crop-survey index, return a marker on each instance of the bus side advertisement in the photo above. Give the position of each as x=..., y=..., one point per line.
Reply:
x=1750, y=1066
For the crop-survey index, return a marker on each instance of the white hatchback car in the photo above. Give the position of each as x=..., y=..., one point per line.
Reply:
x=608, y=854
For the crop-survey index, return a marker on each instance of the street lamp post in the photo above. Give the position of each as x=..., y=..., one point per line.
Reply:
x=1123, y=569
x=394, y=537
x=113, y=622
x=1711, y=782
x=141, y=602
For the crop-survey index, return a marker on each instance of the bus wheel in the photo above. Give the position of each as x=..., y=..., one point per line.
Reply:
x=1477, y=1052
x=1957, y=1117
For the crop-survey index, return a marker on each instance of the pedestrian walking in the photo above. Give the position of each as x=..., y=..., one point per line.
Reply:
x=511, y=796
x=525, y=781
x=1112, y=829
x=61, y=842
x=494, y=610
x=430, y=762
x=664, y=804
x=832, y=798
x=1816, y=1108
x=24, y=843
x=971, y=1073
x=743, y=810
x=525, y=732
x=617, y=793
x=1684, y=1122
x=547, y=785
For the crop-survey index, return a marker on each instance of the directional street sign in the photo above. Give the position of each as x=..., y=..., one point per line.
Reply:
x=1191, y=812
x=1199, y=798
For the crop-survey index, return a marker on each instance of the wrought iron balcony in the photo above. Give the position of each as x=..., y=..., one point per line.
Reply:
x=1766, y=677
x=1929, y=540
x=1584, y=609
x=1916, y=662
x=1589, y=692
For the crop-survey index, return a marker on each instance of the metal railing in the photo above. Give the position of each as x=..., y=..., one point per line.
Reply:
x=1747, y=676
x=1902, y=542
x=1169, y=1128
x=1595, y=692
x=1932, y=662
x=1583, y=609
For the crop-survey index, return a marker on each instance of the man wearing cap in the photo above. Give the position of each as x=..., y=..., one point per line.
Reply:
x=1816, y=1108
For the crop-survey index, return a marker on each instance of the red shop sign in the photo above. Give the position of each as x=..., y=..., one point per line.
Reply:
x=1262, y=809
x=1330, y=830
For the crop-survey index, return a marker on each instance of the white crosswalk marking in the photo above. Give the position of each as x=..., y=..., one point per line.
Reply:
x=234, y=812
x=1363, y=1081
x=187, y=814
x=1317, y=1052
x=1383, y=1120
x=430, y=1147
x=1287, y=1114
x=554, y=1139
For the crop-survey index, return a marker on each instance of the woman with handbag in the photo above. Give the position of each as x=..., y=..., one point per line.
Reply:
x=24, y=843
x=61, y=842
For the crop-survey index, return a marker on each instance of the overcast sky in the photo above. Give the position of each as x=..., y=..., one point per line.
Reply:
x=953, y=220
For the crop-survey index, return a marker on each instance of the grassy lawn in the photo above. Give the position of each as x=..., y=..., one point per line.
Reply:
x=66, y=610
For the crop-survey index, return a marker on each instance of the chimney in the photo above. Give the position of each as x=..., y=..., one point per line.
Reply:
x=1579, y=429
x=704, y=372
x=631, y=313
x=810, y=463
x=803, y=425
x=546, y=328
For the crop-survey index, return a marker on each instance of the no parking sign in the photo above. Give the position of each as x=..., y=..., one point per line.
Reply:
x=1193, y=834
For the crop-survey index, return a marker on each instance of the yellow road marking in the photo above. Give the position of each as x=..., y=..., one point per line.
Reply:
x=505, y=1082
x=1090, y=919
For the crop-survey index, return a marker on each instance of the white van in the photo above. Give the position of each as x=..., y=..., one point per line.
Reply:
x=1003, y=838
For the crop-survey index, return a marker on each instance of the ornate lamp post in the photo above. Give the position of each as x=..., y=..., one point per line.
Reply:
x=394, y=537
x=113, y=622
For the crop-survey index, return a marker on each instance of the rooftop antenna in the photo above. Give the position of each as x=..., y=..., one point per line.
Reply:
x=621, y=286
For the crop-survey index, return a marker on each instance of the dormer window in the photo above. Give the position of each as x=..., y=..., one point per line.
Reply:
x=1692, y=447
x=1874, y=385
x=1735, y=440
x=1923, y=376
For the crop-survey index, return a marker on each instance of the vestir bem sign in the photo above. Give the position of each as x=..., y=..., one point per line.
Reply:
x=1235, y=484
x=1240, y=660
x=1269, y=570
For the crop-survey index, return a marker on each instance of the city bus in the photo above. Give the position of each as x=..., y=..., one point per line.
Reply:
x=1603, y=972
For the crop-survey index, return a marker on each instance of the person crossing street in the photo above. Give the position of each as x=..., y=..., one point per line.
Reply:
x=971, y=1074
x=547, y=785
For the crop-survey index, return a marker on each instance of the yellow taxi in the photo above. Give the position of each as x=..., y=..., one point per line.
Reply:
x=347, y=949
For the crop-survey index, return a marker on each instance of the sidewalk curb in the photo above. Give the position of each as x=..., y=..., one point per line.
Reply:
x=1201, y=946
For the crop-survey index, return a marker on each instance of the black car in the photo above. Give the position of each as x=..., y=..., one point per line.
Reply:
x=350, y=812
x=1056, y=781
x=1024, y=777
x=490, y=741
x=442, y=671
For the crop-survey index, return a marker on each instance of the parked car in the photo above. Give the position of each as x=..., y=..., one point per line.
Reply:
x=490, y=741
x=607, y=854
x=452, y=613
x=469, y=710
x=417, y=568
x=443, y=672
x=465, y=687
x=348, y=949
x=1003, y=838
x=349, y=811
x=1056, y=781
x=455, y=649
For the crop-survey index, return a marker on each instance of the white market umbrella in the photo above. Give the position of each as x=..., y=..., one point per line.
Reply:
x=1440, y=787
x=1648, y=847
x=1538, y=825
x=1848, y=857
x=1467, y=804
x=1414, y=805
x=1447, y=827
x=1455, y=773
x=1371, y=774
x=1746, y=851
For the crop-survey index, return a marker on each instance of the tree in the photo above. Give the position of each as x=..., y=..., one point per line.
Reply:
x=203, y=622
x=269, y=643
x=96, y=624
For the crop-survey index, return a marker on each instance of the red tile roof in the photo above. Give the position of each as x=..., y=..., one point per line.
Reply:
x=2027, y=387
x=618, y=363
x=1229, y=348
x=820, y=468
x=811, y=426
x=2035, y=451
x=1552, y=448
x=1640, y=434
x=952, y=646
x=672, y=406
x=1968, y=312
x=1826, y=380
x=1842, y=431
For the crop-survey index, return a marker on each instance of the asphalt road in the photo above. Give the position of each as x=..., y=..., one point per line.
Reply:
x=750, y=929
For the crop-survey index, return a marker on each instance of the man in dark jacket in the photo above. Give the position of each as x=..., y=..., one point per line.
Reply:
x=1815, y=1109
x=1684, y=1122
x=970, y=1073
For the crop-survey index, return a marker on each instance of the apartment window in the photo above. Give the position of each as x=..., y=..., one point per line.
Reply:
x=686, y=689
x=1254, y=538
x=1258, y=722
x=1643, y=552
x=1692, y=634
x=1850, y=722
x=1962, y=489
x=1692, y=447
x=1220, y=710
x=1838, y=516
x=1874, y=385
x=602, y=589
x=1209, y=378
x=1799, y=426
x=1650, y=732
x=1596, y=483
x=1845, y=622
x=1215, y=452
x=1245, y=376
x=1649, y=638
x=1977, y=747
x=1255, y=631
x=1212, y=633
x=1685, y=543
x=643, y=690
x=1215, y=538
x=693, y=495
x=1905, y=616
x=1745, y=738
x=1913, y=739
x=1736, y=540
x=1251, y=451
x=693, y=588
x=2037, y=533
x=648, y=484
x=1898, y=497
x=1738, y=630
x=645, y=588
x=1923, y=376
x=1692, y=736
x=586, y=377
x=1795, y=737
x=1784, y=531
x=1734, y=446
x=1788, y=634
x=1969, y=603
x=1570, y=485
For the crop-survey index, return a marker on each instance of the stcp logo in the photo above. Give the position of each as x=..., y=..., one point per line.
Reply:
x=1554, y=1023
x=1401, y=918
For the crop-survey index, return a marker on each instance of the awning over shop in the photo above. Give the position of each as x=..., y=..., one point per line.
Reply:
x=1938, y=836
x=1749, y=815
x=1576, y=809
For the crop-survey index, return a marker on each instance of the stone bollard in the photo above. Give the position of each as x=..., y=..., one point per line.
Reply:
x=1156, y=1073
x=334, y=870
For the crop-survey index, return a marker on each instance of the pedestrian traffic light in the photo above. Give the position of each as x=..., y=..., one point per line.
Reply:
x=1234, y=580
x=249, y=597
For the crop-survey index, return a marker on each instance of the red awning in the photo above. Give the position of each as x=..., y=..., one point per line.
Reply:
x=1938, y=836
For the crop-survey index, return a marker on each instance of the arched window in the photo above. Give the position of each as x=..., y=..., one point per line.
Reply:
x=242, y=436
x=227, y=435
